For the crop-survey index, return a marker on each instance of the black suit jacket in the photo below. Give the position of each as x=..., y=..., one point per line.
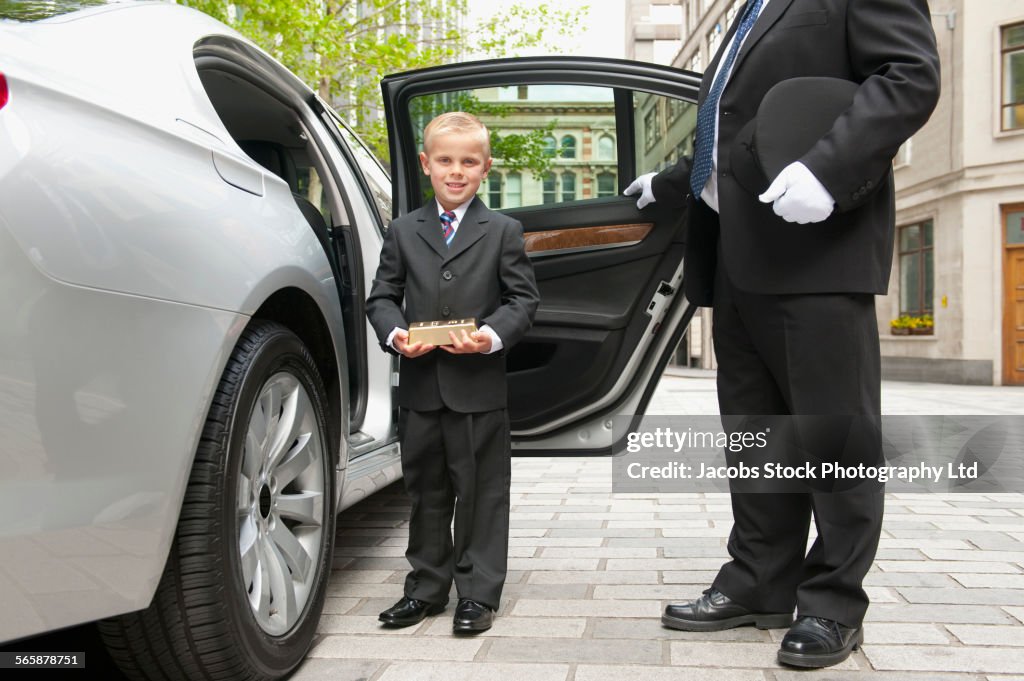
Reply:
x=888, y=48
x=484, y=274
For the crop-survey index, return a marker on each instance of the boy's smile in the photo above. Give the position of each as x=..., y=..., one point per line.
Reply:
x=456, y=163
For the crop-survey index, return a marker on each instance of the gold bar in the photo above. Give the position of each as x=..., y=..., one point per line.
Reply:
x=436, y=333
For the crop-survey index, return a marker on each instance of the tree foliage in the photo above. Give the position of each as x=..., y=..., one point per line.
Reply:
x=342, y=48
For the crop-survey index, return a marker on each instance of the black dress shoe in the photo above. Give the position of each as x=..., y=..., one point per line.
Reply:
x=818, y=642
x=471, y=616
x=409, y=611
x=714, y=611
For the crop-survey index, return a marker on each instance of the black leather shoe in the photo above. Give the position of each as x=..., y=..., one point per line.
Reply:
x=409, y=611
x=471, y=616
x=818, y=642
x=714, y=611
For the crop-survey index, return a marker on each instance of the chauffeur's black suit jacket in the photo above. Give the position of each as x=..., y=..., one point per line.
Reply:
x=888, y=47
x=485, y=274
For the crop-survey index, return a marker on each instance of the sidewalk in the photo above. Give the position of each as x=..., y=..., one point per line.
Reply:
x=591, y=572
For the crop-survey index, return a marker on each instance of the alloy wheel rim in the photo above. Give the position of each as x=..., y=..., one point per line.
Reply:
x=281, y=492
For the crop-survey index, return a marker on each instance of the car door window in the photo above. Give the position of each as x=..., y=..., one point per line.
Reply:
x=665, y=129
x=550, y=143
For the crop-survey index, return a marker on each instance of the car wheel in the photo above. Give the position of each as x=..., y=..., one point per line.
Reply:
x=244, y=584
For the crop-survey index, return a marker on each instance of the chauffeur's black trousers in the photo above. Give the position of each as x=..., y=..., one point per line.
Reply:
x=808, y=354
x=457, y=464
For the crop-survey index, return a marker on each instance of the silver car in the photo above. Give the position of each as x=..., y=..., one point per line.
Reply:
x=189, y=391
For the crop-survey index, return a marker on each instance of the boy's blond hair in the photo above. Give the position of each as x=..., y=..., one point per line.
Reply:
x=458, y=122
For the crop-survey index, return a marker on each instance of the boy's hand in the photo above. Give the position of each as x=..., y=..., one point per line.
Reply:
x=468, y=343
x=401, y=343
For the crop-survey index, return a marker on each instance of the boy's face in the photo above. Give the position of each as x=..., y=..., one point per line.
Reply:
x=456, y=164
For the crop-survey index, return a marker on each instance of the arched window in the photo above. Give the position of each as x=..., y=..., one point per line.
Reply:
x=568, y=147
x=550, y=191
x=606, y=184
x=550, y=146
x=606, y=148
x=494, y=190
x=568, y=186
x=513, y=190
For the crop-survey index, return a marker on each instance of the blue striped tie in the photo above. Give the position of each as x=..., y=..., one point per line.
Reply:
x=701, y=172
x=447, y=228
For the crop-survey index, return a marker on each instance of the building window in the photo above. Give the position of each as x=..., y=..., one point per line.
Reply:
x=550, y=147
x=568, y=147
x=568, y=186
x=714, y=38
x=917, y=269
x=606, y=184
x=513, y=190
x=695, y=64
x=550, y=191
x=734, y=9
x=494, y=190
x=606, y=148
x=650, y=127
x=1013, y=77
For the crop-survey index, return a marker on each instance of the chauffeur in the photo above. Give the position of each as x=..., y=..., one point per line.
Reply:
x=791, y=274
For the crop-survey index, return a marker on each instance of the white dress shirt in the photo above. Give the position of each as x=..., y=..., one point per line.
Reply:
x=460, y=212
x=710, y=193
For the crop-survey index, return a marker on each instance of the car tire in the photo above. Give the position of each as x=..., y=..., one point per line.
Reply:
x=237, y=599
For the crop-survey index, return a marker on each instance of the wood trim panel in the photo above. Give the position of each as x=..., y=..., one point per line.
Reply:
x=586, y=238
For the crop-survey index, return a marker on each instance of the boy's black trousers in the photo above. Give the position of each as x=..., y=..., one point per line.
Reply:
x=457, y=464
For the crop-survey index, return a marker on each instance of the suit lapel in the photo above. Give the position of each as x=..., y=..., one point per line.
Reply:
x=469, y=231
x=772, y=12
x=430, y=228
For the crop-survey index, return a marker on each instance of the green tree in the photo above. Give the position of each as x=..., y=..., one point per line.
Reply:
x=343, y=47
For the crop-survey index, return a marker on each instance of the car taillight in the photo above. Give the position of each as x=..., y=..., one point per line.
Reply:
x=3, y=90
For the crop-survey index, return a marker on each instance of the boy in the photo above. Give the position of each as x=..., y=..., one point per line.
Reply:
x=453, y=259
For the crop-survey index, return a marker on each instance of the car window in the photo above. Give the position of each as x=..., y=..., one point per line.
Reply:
x=376, y=178
x=550, y=143
x=665, y=129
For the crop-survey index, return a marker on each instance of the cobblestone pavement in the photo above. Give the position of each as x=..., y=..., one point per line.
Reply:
x=591, y=572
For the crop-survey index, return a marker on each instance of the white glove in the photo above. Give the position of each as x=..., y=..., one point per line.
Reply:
x=642, y=186
x=798, y=196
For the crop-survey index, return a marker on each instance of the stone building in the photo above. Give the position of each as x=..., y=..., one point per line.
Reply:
x=960, y=190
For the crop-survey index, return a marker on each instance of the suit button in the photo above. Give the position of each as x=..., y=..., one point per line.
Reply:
x=445, y=311
x=447, y=276
x=869, y=184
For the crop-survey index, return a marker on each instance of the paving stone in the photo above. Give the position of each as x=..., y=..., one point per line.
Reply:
x=553, y=563
x=980, y=635
x=317, y=669
x=875, y=578
x=599, y=552
x=560, y=542
x=567, y=650
x=386, y=648
x=733, y=654
x=476, y=671
x=946, y=659
x=662, y=591
x=359, y=624
x=588, y=672
x=519, y=627
x=586, y=608
x=594, y=577
x=663, y=564
x=617, y=628
x=1016, y=612
x=546, y=591
x=339, y=606
x=958, y=614
x=990, y=581
x=892, y=632
x=945, y=566
x=966, y=596
x=702, y=577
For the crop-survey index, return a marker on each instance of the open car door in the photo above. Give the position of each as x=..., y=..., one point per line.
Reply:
x=571, y=134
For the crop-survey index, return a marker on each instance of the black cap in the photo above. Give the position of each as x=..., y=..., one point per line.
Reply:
x=791, y=118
